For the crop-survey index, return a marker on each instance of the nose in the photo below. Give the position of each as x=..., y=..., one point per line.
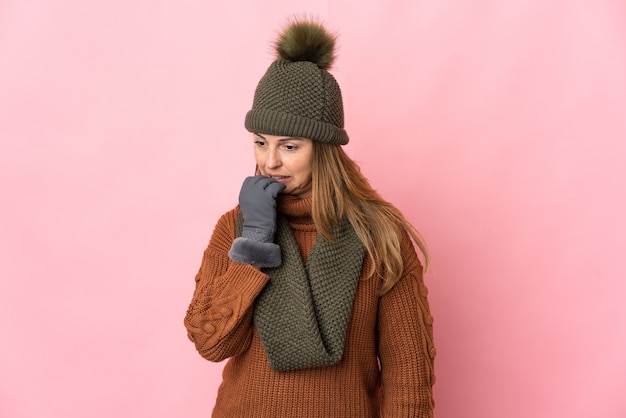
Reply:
x=273, y=158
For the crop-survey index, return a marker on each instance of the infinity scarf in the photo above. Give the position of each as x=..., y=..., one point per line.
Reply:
x=302, y=314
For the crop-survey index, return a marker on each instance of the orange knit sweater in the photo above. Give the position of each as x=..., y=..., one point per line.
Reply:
x=387, y=367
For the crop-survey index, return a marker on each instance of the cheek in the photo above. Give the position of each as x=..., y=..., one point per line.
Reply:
x=258, y=158
x=304, y=170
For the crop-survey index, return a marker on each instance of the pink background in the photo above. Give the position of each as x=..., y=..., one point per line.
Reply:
x=499, y=128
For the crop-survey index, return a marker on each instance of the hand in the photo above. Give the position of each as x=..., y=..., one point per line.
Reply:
x=257, y=201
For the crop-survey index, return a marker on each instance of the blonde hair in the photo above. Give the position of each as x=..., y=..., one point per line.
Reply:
x=340, y=191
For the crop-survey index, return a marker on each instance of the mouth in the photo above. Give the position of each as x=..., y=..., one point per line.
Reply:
x=278, y=178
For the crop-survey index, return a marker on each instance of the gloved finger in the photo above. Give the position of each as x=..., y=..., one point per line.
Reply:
x=258, y=179
x=275, y=187
x=254, y=183
x=262, y=182
x=249, y=181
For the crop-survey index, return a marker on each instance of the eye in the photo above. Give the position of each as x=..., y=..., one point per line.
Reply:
x=259, y=143
x=290, y=147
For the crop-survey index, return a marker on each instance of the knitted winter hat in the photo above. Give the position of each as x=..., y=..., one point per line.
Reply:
x=297, y=96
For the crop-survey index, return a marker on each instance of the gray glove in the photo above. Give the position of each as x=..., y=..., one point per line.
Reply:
x=257, y=202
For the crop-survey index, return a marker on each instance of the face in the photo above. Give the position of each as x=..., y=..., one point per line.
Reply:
x=287, y=160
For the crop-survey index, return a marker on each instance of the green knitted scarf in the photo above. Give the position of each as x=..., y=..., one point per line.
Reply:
x=302, y=314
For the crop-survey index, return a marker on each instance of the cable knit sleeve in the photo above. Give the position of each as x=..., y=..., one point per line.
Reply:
x=406, y=349
x=219, y=318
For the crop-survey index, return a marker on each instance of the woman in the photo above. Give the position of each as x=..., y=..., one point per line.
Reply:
x=311, y=286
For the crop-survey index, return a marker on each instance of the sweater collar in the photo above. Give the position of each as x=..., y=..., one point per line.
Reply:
x=296, y=210
x=293, y=205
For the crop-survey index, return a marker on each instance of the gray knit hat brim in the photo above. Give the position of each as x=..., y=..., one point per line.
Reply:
x=265, y=121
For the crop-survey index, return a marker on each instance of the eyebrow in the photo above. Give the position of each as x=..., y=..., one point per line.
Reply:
x=286, y=139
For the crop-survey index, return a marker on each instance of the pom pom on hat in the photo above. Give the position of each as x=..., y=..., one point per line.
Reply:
x=307, y=41
x=297, y=96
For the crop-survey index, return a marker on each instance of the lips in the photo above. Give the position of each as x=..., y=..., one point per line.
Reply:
x=278, y=178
